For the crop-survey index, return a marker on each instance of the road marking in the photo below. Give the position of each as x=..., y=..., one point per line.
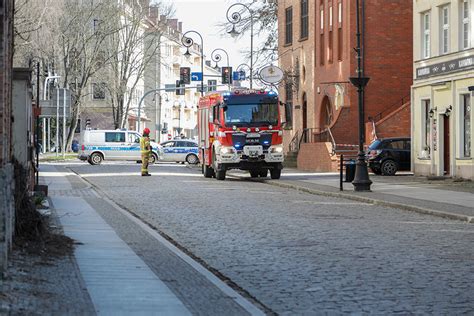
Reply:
x=137, y=174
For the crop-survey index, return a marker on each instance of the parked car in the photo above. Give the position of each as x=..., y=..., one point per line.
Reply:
x=388, y=155
x=99, y=145
x=179, y=150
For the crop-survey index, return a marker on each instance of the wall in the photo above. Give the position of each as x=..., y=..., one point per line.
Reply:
x=316, y=157
x=6, y=168
x=297, y=58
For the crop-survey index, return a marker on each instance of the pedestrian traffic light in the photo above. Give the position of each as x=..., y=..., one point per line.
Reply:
x=226, y=75
x=179, y=90
x=185, y=75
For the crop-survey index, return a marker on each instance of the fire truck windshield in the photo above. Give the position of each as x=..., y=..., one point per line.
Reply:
x=256, y=114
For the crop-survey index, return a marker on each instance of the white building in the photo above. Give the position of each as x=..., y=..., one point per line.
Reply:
x=441, y=94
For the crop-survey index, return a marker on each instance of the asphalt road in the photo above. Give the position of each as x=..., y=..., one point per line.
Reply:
x=298, y=253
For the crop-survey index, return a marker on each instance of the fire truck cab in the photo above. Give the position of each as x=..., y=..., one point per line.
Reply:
x=240, y=129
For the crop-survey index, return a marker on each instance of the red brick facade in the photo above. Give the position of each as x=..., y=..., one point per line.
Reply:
x=332, y=101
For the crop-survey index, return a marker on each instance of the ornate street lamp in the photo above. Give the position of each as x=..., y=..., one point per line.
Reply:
x=361, y=179
x=189, y=42
x=234, y=18
x=216, y=57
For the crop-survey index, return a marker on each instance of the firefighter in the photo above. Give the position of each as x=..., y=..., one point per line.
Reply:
x=145, y=150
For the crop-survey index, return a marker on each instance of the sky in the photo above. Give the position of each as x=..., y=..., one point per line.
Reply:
x=203, y=16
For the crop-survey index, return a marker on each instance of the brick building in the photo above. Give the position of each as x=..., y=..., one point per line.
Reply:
x=6, y=167
x=320, y=99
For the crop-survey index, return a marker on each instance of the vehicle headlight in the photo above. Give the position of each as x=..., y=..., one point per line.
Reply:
x=227, y=150
x=276, y=149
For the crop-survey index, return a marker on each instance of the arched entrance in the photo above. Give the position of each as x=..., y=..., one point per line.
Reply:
x=327, y=113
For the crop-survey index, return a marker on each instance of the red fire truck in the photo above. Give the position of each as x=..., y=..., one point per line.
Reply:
x=240, y=129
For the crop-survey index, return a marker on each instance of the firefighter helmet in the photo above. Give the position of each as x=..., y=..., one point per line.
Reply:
x=146, y=131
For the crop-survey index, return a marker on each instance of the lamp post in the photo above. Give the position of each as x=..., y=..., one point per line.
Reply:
x=361, y=179
x=189, y=42
x=234, y=18
x=216, y=57
x=141, y=101
x=178, y=105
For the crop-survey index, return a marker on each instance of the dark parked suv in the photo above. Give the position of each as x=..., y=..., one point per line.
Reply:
x=388, y=155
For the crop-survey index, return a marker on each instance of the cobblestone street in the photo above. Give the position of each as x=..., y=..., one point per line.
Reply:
x=298, y=253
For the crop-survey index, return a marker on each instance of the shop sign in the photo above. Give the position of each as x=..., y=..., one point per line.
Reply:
x=454, y=65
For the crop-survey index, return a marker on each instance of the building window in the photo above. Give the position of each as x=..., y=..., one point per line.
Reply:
x=330, y=16
x=212, y=85
x=466, y=25
x=426, y=104
x=339, y=13
x=466, y=124
x=289, y=105
x=426, y=35
x=444, y=31
x=340, y=41
x=321, y=16
x=321, y=36
x=289, y=25
x=98, y=91
x=331, y=38
x=304, y=19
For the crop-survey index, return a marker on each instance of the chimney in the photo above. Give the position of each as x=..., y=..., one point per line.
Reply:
x=180, y=27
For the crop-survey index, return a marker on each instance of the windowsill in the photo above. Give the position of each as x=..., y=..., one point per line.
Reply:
x=464, y=158
x=287, y=44
x=424, y=158
x=302, y=39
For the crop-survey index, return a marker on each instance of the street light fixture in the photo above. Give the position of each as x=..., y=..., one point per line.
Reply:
x=216, y=57
x=361, y=179
x=189, y=42
x=234, y=18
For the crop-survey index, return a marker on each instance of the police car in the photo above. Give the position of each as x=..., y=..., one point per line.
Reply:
x=179, y=150
x=99, y=145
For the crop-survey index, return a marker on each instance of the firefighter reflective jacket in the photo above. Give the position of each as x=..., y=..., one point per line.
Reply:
x=145, y=147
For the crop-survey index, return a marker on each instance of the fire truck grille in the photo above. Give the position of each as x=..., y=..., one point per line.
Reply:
x=240, y=140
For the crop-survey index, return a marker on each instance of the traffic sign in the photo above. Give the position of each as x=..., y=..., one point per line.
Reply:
x=239, y=75
x=196, y=76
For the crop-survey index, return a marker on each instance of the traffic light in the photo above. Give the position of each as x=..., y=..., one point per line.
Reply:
x=226, y=75
x=185, y=75
x=179, y=91
x=88, y=123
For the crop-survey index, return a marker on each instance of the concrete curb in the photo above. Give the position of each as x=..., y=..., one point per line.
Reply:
x=422, y=210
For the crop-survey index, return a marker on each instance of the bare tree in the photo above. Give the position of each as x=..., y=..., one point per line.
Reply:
x=264, y=24
x=136, y=45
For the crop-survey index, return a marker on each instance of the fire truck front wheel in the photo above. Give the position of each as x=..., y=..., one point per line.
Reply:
x=275, y=173
x=220, y=174
x=208, y=171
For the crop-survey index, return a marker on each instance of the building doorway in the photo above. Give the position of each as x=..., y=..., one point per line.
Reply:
x=305, y=118
x=326, y=114
x=446, y=146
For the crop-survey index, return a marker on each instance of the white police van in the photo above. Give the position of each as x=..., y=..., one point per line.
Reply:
x=99, y=145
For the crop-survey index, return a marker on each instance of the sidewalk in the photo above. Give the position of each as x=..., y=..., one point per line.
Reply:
x=445, y=198
x=105, y=275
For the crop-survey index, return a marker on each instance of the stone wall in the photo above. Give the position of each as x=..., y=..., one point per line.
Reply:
x=7, y=213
